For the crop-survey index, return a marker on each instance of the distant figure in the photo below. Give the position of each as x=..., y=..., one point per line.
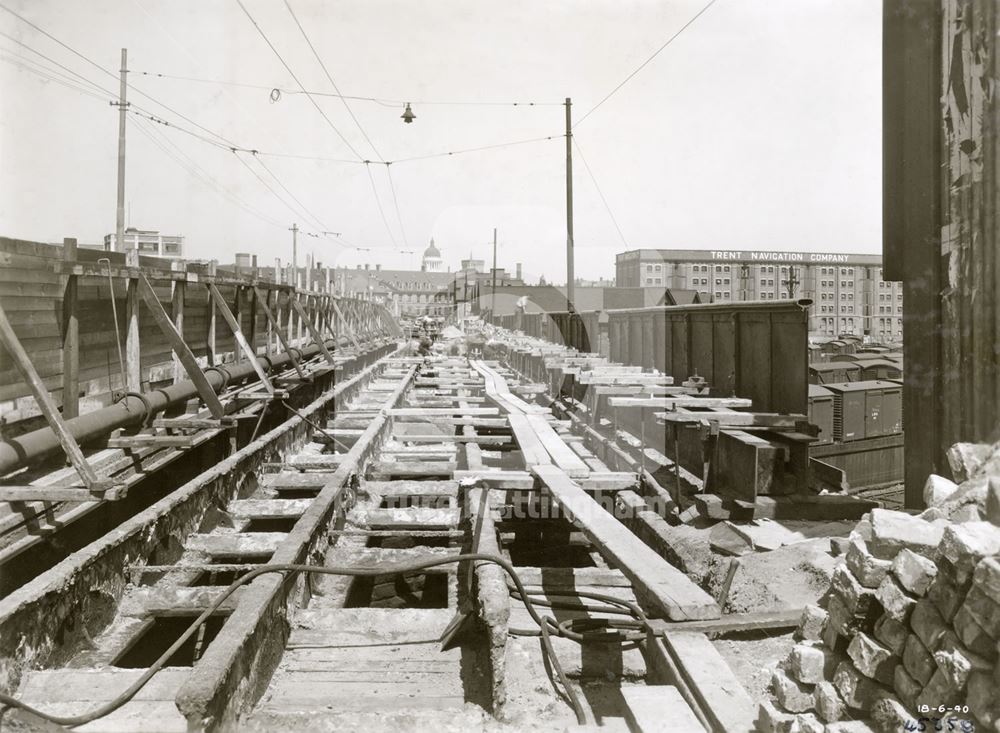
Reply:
x=425, y=346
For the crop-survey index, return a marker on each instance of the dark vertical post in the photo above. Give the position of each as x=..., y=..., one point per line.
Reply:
x=570, y=278
x=122, y=107
x=71, y=338
x=493, y=292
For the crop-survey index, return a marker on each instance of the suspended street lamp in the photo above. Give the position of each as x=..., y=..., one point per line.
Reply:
x=408, y=115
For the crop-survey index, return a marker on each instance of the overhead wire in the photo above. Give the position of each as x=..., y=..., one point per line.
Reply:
x=643, y=65
x=395, y=201
x=384, y=101
x=26, y=64
x=305, y=209
x=600, y=193
x=296, y=78
x=378, y=202
x=159, y=139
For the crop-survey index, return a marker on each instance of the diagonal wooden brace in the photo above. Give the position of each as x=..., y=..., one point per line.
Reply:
x=48, y=408
x=350, y=331
x=276, y=327
x=234, y=326
x=180, y=347
x=316, y=336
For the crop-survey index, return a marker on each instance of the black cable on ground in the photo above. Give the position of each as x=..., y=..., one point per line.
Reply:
x=8, y=701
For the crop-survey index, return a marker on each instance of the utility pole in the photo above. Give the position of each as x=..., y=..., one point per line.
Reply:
x=791, y=282
x=569, y=207
x=493, y=294
x=295, y=254
x=122, y=106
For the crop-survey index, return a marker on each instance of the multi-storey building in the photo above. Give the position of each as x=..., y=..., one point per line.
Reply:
x=147, y=241
x=848, y=292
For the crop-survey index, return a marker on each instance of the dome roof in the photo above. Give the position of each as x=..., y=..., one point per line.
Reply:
x=432, y=251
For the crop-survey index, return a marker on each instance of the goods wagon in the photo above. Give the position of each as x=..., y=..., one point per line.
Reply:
x=821, y=412
x=832, y=372
x=866, y=409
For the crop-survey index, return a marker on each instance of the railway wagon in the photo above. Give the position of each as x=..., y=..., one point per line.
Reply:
x=833, y=372
x=866, y=409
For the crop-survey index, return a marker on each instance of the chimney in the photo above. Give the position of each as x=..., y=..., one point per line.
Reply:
x=518, y=270
x=378, y=267
x=367, y=266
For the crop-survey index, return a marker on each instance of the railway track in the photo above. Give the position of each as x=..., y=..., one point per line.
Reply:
x=429, y=550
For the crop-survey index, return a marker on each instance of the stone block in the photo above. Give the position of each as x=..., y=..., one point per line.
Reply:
x=966, y=513
x=791, y=695
x=914, y=572
x=891, y=632
x=954, y=666
x=984, y=610
x=986, y=577
x=850, y=726
x=978, y=662
x=981, y=697
x=857, y=691
x=965, y=459
x=917, y=660
x=896, y=602
x=972, y=634
x=905, y=686
x=993, y=500
x=833, y=639
x=892, y=531
x=772, y=720
x=889, y=714
x=945, y=594
x=854, y=596
x=809, y=723
x=865, y=567
x=872, y=659
x=811, y=624
x=939, y=690
x=937, y=489
x=838, y=546
x=964, y=545
x=927, y=624
x=829, y=704
x=811, y=663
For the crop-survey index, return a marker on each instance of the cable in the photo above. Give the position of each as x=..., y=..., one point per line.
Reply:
x=193, y=169
x=395, y=201
x=390, y=569
x=476, y=150
x=301, y=86
x=310, y=215
x=267, y=185
x=56, y=63
x=112, y=75
x=385, y=102
x=50, y=76
x=644, y=63
x=378, y=202
x=330, y=78
x=600, y=193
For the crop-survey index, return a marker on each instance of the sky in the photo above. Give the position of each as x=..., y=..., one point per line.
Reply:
x=758, y=127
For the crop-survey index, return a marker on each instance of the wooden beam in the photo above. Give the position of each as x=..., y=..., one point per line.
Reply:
x=133, y=365
x=316, y=336
x=71, y=339
x=181, y=350
x=665, y=587
x=234, y=326
x=350, y=330
x=274, y=326
x=23, y=363
x=177, y=303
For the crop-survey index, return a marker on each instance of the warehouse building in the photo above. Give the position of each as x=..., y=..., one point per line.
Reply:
x=848, y=291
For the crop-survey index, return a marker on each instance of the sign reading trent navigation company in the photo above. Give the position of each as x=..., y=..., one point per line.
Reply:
x=731, y=255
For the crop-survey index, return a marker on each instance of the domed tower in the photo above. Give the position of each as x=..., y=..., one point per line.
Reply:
x=431, y=261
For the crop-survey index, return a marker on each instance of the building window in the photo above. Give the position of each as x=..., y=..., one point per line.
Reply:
x=649, y=281
x=658, y=268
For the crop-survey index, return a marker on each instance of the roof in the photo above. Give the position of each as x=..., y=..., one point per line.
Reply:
x=830, y=366
x=432, y=251
x=863, y=386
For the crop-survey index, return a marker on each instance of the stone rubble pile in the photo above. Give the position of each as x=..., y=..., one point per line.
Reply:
x=910, y=626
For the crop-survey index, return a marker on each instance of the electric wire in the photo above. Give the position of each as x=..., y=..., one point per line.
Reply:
x=330, y=79
x=395, y=201
x=643, y=65
x=301, y=86
x=600, y=193
x=52, y=61
x=378, y=202
x=316, y=220
x=193, y=169
x=39, y=71
x=384, y=101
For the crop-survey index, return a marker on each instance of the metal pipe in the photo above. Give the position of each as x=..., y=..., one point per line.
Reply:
x=90, y=426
